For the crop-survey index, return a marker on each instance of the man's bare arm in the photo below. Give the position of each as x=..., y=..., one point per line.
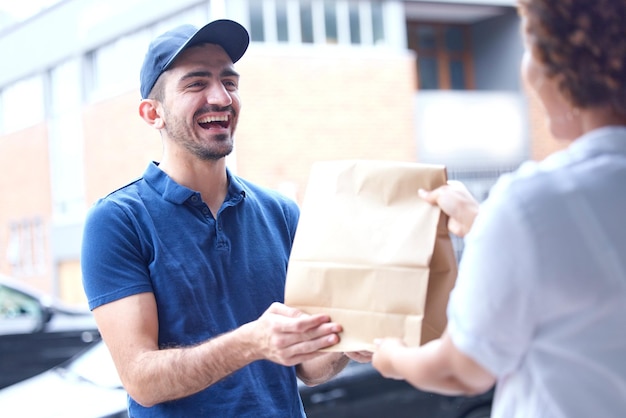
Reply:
x=130, y=329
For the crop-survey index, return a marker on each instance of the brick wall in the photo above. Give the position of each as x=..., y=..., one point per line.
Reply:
x=25, y=193
x=304, y=108
x=118, y=145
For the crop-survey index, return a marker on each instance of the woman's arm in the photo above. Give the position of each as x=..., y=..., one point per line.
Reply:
x=437, y=366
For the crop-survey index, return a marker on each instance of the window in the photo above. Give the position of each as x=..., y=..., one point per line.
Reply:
x=378, y=30
x=355, y=27
x=66, y=142
x=444, y=59
x=23, y=104
x=348, y=22
x=330, y=21
x=257, y=26
x=306, y=22
x=114, y=68
x=196, y=15
x=26, y=250
x=282, y=31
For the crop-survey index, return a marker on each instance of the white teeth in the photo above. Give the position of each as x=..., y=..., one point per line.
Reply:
x=209, y=119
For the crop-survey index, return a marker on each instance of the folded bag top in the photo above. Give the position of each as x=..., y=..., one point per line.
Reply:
x=371, y=253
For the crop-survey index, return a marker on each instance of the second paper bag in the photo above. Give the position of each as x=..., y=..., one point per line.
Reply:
x=371, y=253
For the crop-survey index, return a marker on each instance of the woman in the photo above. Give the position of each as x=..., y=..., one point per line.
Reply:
x=540, y=300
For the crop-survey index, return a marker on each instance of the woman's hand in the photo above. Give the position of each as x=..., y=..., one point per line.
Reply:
x=457, y=202
x=387, y=349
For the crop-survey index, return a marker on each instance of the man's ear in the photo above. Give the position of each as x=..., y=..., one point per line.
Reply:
x=150, y=111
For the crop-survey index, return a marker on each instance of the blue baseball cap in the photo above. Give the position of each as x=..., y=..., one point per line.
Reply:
x=162, y=52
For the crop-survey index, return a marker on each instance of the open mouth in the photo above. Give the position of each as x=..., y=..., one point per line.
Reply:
x=215, y=122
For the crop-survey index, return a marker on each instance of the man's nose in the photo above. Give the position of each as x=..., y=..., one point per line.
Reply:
x=218, y=95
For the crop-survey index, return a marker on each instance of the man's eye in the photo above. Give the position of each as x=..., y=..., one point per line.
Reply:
x=230, y=84
x=196, y=84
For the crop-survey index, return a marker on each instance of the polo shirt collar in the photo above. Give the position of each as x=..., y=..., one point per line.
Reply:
x=178, y=194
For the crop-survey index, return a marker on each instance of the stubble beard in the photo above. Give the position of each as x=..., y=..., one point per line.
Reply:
x=218, y=147
x=210, y=152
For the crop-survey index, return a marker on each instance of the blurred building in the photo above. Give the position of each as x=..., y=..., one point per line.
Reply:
x=427, y=81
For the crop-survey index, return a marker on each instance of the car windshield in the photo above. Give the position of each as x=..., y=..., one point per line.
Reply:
x=94, y=365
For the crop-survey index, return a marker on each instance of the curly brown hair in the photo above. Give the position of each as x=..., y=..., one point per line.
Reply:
x=583, y=42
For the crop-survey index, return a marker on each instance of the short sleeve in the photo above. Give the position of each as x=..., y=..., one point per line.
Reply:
x=490, y=315
x=113, y=261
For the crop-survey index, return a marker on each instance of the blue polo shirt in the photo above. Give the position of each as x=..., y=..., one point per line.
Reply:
x=208, y=275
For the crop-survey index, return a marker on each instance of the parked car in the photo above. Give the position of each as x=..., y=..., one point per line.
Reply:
x=86, y=386
x=359, y=391
x=38, y=332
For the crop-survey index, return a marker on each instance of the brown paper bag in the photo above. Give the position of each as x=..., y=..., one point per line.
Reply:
x=371, y=253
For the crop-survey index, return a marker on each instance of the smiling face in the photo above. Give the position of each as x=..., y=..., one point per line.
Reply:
x=200, y=102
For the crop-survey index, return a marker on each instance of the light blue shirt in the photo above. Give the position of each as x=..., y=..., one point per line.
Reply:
x=540, y=300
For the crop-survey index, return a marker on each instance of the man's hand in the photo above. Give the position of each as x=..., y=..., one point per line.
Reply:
x=457, y=202
x=288, y=336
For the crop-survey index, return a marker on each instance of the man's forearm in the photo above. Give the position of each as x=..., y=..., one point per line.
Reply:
x=322, y=368
x=164, y=375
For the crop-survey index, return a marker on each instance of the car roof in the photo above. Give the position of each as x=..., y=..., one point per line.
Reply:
x=21, y=287
x=43, y=298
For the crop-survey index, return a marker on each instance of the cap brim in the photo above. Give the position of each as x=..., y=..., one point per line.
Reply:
x=228, y=34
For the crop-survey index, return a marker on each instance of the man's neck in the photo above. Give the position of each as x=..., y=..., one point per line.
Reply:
x=206, y=177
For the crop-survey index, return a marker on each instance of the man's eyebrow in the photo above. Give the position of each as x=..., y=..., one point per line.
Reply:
x=225, y=73
x=229, y=72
